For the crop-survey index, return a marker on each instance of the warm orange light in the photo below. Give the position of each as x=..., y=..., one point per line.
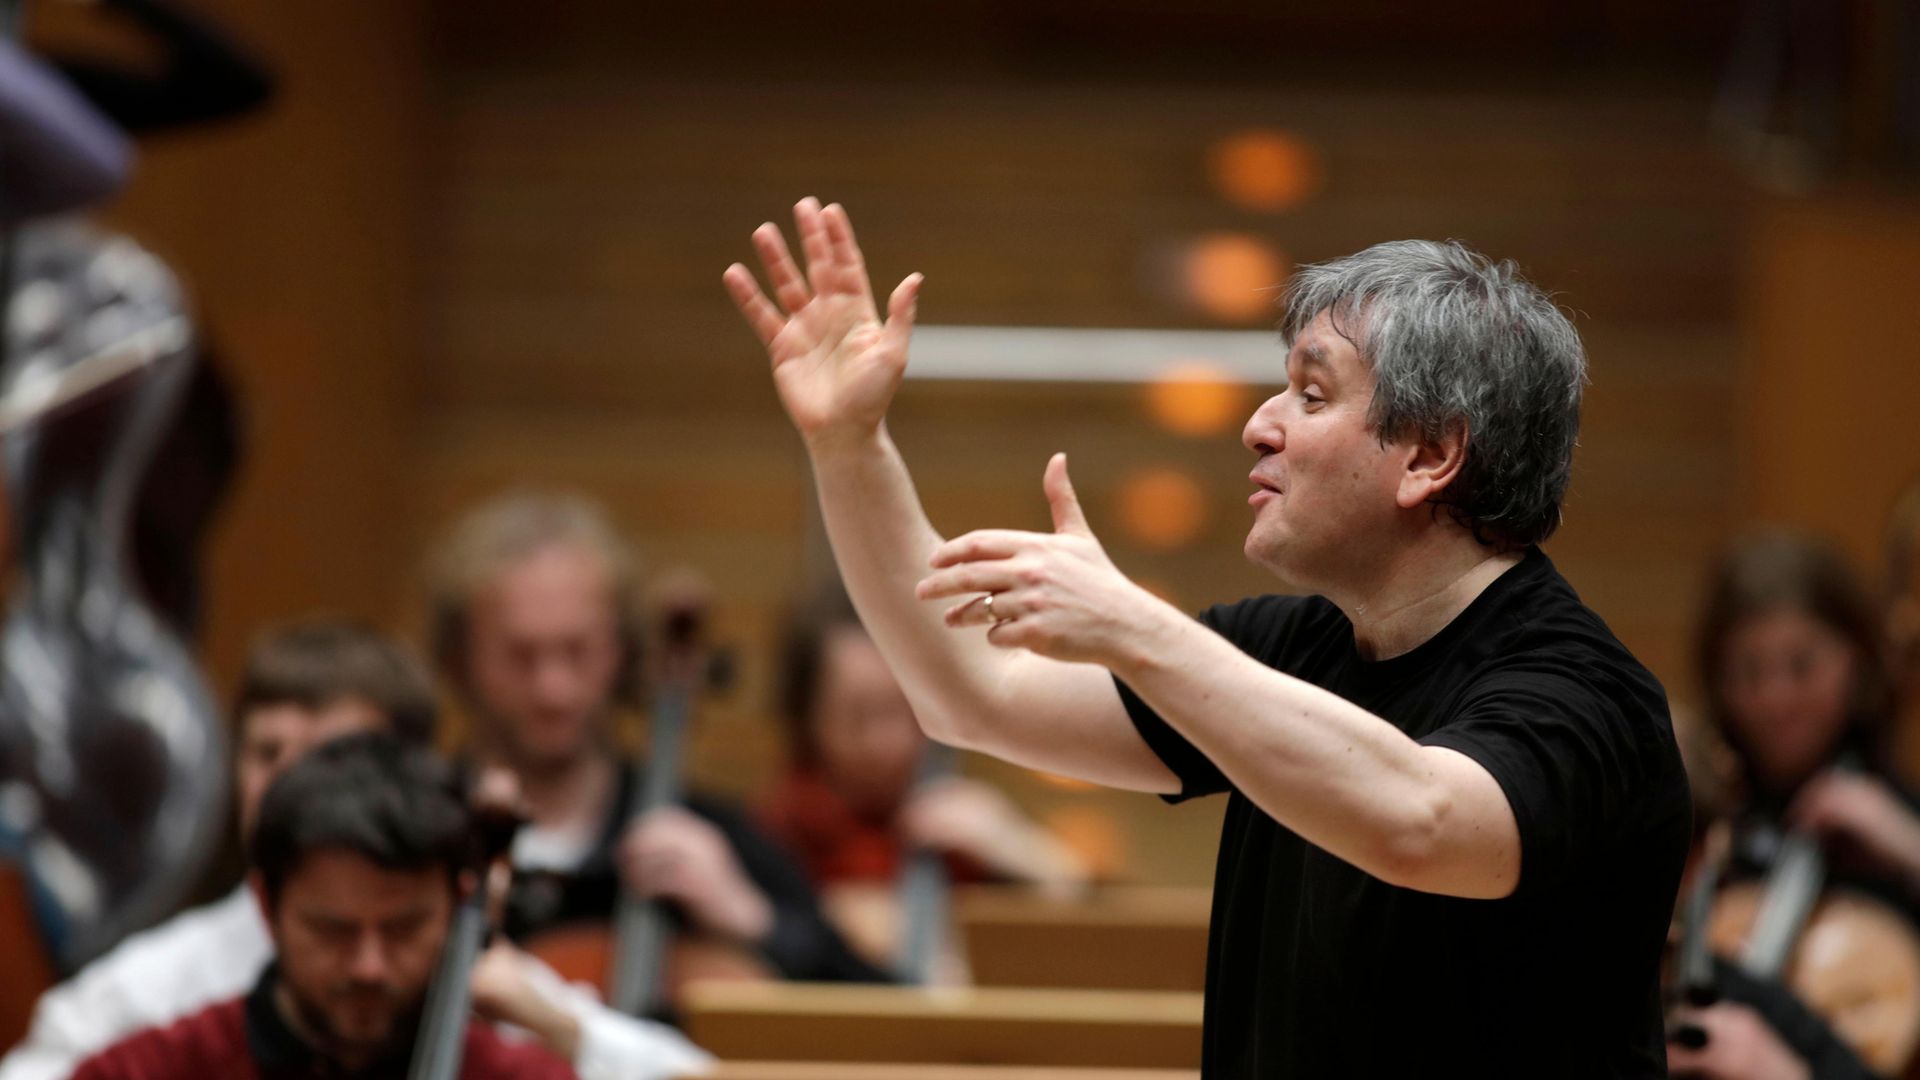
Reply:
x=1196, y=398
x=1265, y=170
x=1093, y=834
x=1234, y=277
x=1064, y=783
x=1161, y=508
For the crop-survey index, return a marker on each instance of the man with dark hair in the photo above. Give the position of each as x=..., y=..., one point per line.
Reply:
x=358, y=853
x=1457, y=815
x=304, y=684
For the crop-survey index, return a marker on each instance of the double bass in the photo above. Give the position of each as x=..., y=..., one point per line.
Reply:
x=112, y=760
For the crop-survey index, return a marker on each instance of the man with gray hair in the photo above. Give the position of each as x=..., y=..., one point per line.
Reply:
x=1457, y=815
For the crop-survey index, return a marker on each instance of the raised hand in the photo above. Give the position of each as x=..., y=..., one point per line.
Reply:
x=836, y=365
x=1055, y=593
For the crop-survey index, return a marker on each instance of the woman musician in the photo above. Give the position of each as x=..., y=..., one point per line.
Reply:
x=1796, y=688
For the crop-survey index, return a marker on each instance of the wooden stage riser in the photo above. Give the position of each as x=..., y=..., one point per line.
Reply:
x=842, y=1024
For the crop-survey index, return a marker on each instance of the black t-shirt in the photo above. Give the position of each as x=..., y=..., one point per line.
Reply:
x=1316, y=969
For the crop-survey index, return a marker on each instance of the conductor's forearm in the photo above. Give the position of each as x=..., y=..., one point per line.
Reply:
x=882, y=540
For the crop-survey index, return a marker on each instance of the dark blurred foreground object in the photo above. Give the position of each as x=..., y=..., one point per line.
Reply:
x=56, y=153
x=202, y=76
x=112, y=763
x=108, y=737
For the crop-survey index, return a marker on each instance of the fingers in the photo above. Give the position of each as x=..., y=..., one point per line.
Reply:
x=1067, y=515
x=901, y=308
x=846, y=250
x=667, y=826
x=1824, y=801
x=499, y=881
x=821, y=271
x=834, y=264
x=989, y=577
x=975, y=611
x=760, y=313
x=1683, y=1062
x=788, y=286
x=661, y=850
x=1006, y=634
x=848, y=264
x=981, y=544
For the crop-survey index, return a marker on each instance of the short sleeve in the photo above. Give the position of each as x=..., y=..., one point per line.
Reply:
x=1577, y=765
x=1254, y=626
x=1198, y=775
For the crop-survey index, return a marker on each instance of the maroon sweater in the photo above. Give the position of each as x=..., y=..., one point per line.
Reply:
x=247, y=1039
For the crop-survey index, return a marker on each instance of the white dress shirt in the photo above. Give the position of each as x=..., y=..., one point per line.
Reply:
x=217, y=952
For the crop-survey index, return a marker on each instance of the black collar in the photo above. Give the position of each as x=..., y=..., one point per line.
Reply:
x=280, y=1052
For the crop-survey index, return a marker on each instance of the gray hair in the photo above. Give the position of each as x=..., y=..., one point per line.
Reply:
x=508, y=529
x=1456, y=338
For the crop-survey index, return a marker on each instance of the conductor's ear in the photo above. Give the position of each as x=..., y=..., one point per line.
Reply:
x=1433, y=465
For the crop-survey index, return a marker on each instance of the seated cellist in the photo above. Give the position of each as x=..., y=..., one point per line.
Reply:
x=862, y=788
x=306, y=683
x=358, y=855
x=536, y=626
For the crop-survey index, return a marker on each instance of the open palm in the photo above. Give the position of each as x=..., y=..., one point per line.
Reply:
x=836, y=365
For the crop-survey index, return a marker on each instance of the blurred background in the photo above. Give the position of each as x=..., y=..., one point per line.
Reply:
x=477, y=245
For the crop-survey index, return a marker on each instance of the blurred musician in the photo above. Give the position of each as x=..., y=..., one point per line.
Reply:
x=852, y=802
x=304, y=684
x=358, y=853
x=1791, y=664
x=535, y=621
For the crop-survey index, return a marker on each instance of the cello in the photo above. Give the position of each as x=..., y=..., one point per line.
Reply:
x=112, y=761
x=638, y=959
x=924, y=891
x=1848, y=957
x=438, y=1047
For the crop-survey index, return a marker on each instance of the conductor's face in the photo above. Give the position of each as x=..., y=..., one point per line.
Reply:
x=544, y=655
x=1327, y=491
x=358, y=944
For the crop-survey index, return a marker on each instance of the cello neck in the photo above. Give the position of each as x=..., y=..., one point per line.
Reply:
x=1793, y=885
x=924, y=888
x=641, y=925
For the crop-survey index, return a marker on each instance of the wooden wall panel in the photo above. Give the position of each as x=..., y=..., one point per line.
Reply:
x=1828, y=428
